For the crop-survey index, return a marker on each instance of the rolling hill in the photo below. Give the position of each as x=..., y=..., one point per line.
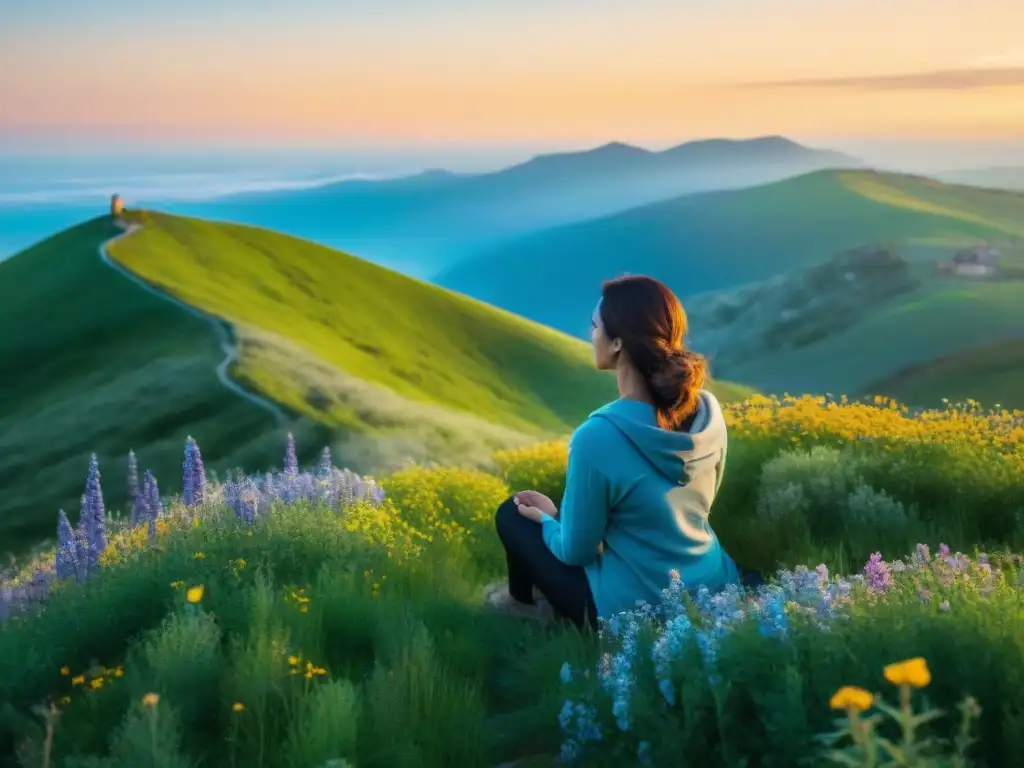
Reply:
x=424, y=223
x=862, y=322
x=721, y=240
x=992, y=374
x=381, y=366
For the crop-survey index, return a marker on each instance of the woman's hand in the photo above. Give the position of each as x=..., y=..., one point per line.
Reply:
x=534, y=505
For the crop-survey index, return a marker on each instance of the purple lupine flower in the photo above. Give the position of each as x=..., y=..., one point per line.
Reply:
x=193, y=475
x=291, y=461
x=151, y=496
x=66, y=565
x=325, y=466
x=924, y=554
x=877, y=573
x=95, y=515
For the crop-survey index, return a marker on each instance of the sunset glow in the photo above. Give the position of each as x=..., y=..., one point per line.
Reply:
x=645, y=71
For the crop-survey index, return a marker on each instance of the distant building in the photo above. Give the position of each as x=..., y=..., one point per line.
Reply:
x=116, y=206
x=972, y=262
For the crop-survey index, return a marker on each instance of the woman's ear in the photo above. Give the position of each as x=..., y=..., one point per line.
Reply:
x=616, y=346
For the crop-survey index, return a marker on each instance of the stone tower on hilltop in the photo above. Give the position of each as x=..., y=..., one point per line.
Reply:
x=116, y=206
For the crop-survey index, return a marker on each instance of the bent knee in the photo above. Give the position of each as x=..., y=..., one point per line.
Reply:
x=506, y=514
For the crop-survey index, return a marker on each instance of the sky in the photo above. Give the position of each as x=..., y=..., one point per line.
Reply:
x=376, y=73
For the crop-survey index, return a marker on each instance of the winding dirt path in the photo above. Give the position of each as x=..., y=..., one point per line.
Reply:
x=227, y=344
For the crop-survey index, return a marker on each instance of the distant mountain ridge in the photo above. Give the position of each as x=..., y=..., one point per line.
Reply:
x=427, y=221
x=712, y=241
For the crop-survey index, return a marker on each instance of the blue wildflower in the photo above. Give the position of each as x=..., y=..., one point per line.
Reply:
x=95, y=516
x=325, y=466
x=876, y=572
x=67, y=565
x=193, y=480
x=291, y=462
x=151, y=494
x=643, y=753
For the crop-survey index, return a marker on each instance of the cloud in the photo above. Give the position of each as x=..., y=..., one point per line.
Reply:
x=1011, y=57
x=963, y=79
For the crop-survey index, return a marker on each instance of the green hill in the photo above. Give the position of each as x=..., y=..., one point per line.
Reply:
x=423, y=224
x=858, y=318
x=720, y=240
x=381, y=366
x=992, y=374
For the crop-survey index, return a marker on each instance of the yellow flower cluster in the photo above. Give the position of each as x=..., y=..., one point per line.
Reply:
x=883, y=419
x=444, y=503
x=814, y=419
x=299, y=597
x=310, y=671
x=125, y=544
x=90, y=680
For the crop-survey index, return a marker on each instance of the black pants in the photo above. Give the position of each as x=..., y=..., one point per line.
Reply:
x=531, y=564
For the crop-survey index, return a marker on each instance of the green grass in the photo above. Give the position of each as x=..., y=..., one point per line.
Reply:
x=940, y=318
x=383, y=368
x=415, y=673
x=378, y=326
x=721, y=240
x=91, y=363
x=991, y=374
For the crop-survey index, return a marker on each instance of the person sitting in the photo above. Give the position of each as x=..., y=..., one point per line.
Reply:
x=642, y=474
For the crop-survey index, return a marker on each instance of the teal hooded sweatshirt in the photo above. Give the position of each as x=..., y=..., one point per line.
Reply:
x=636, y=504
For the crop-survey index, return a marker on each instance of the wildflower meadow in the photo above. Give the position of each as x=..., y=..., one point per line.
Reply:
x=313, y=617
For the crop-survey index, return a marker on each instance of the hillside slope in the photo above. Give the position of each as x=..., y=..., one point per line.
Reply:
x=424, y=223
x=91, y=363
x=992, y=374
x=847, y=325
x=720, y=240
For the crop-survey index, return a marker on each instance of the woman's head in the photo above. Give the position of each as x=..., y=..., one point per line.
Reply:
x=640, y=324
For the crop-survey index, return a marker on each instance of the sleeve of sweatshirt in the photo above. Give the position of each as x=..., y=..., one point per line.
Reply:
x=575, y=536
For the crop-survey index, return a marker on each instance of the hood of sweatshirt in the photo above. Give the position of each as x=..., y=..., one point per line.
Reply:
x=676, y=456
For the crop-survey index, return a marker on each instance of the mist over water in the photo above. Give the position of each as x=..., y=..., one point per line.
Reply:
x=43, y=193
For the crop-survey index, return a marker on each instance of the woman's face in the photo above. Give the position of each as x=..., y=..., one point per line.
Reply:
x=605, y=350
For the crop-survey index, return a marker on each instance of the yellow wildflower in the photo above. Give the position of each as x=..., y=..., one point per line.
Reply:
x=119, y=672
x=194, y=594
x=150, y=699
x=65, y=671
x=79, y=680
x=237, y=706
x=96, y=683
x=294, y=660
x=851, y=697
x=913, y=672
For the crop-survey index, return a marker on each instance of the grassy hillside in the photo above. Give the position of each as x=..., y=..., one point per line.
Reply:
x=992, y=374
x=382, y=367
x=720, y=240
x=91, y=363
x=855, y=320
x=422, y=224
x=377, y=326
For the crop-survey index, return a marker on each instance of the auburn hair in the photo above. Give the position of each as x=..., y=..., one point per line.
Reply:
x=651, y=322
